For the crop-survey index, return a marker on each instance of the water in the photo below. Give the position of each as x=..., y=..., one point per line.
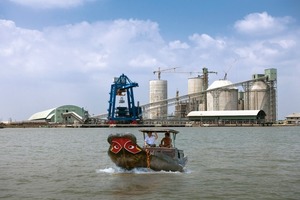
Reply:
x=224, y=163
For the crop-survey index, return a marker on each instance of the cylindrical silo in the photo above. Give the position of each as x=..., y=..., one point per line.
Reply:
x=158, y=93
x=225, y=98
x=195, y=85
x=241, y=101
x=259, y=97
x=196, y=102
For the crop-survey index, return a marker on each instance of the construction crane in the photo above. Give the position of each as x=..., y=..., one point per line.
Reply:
x=204, y=73
x=159, y=71
x=205, y=77
x=190, y=73
x=205, y=83
x=231, y=65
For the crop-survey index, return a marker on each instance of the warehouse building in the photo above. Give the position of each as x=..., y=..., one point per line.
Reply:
x=228, y=117
x=293, y=118
x=67, y=114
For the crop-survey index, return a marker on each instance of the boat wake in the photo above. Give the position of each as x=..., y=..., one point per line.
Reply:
x=118, y=170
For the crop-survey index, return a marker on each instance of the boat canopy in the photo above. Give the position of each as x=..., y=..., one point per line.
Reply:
x=171, y=131
x=159, y=130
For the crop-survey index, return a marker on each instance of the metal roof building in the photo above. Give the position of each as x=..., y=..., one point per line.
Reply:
x=228, y=116
x=293, y=118
x=63, y=114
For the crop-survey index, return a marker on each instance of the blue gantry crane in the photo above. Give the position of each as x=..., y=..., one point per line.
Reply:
x=122, y=88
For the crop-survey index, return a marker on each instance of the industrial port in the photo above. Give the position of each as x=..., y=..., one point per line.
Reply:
x=252, y=102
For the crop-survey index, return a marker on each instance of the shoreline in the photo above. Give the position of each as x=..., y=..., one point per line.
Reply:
x=188, y=125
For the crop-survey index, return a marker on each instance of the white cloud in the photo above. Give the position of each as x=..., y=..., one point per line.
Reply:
x=46, y=4
x=178, y=45
x=206, y=41
x=143, y=61
x=262, y=24
x=272, y=50
x=80, y=47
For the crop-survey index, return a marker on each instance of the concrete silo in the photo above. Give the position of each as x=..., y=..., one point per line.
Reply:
x=259, y=97
x=224, y=98
x=262, y=94
x=158, y=93
x=195, y=84
x=241, y=100
x=196, y=102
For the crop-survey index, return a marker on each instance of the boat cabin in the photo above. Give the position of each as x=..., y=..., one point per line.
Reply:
x=172, y=133
x=172, y=151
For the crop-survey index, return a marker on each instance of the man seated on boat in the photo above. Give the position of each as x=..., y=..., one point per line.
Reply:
x=166, y=141
x=150, y=139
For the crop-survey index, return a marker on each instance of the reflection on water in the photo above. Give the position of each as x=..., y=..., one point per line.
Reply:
x=223, y=163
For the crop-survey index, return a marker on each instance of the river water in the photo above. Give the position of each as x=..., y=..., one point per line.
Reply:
x=223, y=163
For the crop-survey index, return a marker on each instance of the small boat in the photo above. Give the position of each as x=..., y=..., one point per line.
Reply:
x=126, y=153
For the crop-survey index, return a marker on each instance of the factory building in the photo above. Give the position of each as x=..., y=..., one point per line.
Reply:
x=67, y=114
x=258, y=93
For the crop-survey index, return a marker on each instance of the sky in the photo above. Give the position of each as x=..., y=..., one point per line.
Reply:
x=55, y=52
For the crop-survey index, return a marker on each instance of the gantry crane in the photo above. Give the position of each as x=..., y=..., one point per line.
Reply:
x=122, y=87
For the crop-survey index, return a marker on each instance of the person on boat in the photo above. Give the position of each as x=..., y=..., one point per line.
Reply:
x=150, y=139
x=166, y=141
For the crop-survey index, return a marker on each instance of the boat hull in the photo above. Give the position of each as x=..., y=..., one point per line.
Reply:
x=127, y=154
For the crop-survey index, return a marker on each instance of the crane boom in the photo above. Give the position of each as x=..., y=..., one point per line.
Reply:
x=205, y=72
x=163, y=70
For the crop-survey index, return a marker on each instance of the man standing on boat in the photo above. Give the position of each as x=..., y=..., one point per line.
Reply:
x=150, y=139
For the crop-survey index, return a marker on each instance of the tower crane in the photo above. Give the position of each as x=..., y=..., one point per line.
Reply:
x=159, y=71
x=205, y=77
x=205, y=72
x=205, y=83
x=190, y=73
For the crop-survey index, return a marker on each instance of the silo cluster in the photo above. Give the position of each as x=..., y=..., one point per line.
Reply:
x=259, y=93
